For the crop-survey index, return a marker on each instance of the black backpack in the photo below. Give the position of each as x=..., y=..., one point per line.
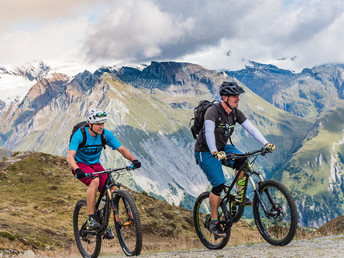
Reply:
x=198, y=119
x=82, y=126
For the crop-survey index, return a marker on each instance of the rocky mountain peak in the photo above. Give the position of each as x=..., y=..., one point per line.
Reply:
x=174, y=77
x=45, y=90
x=269, y=68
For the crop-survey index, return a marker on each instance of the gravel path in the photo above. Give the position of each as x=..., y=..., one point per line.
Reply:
x=331, y=246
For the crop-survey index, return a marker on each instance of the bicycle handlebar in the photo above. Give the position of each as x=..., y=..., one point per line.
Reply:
x=234, y=156
x=107, y=171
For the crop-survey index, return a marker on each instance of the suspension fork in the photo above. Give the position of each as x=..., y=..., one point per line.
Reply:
x=116, y=213
x=256, y=190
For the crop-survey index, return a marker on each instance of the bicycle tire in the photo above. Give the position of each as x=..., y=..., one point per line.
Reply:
x=279, y=228
x=201, y=216
x=88, y=243
x=128, y=225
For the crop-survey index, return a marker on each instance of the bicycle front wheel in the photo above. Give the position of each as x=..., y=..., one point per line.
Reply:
x=88, y=242
x=127, y=224
x=278, y=224
x=202, y=217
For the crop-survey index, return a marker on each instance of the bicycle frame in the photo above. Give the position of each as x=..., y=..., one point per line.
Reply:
x=247, y=169
x=274, y=210
x=109, y=193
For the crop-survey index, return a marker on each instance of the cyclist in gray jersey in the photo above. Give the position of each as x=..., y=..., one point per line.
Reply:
x=211, y=146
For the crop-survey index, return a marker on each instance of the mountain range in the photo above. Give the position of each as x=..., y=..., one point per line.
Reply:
x=150, y=108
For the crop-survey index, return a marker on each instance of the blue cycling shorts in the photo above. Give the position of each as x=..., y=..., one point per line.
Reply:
x=212, y=167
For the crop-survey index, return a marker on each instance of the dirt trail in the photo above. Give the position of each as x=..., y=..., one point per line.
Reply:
x=330, y=246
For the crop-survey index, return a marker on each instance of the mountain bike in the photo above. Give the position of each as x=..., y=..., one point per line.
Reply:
x=126, y=218
x=274, y=209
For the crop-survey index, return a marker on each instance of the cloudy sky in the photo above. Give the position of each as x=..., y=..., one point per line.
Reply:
x=218, y=34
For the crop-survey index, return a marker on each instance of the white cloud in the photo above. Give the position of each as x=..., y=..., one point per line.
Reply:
x=134, y=30
x=52, y=41
x=216, y=34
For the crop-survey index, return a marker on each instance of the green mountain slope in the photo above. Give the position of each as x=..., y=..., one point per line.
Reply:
x=38, y=194
x=315, y=171
x=152, y=121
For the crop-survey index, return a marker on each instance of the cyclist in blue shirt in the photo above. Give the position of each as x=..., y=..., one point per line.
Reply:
x=85, y=159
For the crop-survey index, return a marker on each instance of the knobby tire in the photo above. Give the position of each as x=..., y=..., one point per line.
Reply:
x=89, y=244
x=201, y=215
x=279, y=228
x=128, y=227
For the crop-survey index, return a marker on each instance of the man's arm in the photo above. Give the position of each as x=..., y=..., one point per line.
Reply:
x=71, y=160
x=126, y=154
x=209, y=127
x=252, y=130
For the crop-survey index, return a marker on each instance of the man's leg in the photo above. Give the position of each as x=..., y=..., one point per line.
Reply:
x=234, y=164
x=214, y=202
x=91, y=195
x=213, y=170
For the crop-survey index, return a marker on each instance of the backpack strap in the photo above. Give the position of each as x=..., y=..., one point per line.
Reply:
x=82, y=144
x=218, y=122
x=102, y=137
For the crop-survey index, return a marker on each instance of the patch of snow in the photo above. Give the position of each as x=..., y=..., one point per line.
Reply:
x=13, y=87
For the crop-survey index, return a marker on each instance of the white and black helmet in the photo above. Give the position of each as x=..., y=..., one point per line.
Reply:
x=96, y=116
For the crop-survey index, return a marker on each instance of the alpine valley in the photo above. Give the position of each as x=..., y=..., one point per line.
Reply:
x=150, y=108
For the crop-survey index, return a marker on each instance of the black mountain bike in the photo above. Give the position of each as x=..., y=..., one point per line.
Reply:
x=126, y=218
x=274, y=209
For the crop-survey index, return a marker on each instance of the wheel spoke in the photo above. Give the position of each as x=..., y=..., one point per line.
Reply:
x=88, y=242
x=278, y=223
x=128, y=225
x=202, y=220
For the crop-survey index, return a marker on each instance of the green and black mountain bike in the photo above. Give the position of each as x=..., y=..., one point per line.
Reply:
x=124, y=213
x=274, y=209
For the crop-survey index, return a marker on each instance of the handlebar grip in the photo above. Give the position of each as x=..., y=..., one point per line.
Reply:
x=130, y=167
x=76, y=176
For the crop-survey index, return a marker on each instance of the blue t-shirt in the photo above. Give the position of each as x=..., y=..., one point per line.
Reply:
x=90, y=153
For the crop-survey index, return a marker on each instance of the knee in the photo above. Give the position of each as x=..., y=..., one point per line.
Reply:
x=238, y=163
x=218, y=189
x=95, y=183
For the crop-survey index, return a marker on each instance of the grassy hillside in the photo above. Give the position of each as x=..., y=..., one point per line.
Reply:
x=38, y=194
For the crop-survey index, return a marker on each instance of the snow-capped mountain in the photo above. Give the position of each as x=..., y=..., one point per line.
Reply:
x=150, y=116
x=15, y=82
x=150, y=111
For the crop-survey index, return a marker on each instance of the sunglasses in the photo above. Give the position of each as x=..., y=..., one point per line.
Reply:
x=101, y=114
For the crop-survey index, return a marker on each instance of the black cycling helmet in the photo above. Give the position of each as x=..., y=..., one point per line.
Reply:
x=230, y=88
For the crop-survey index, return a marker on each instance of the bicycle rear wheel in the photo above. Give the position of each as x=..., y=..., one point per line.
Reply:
x=277, y=226
x=88, y=242
x=127, y=224
x=202, y=217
